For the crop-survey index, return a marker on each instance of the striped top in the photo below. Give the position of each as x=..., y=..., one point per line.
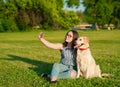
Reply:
x=68, y=57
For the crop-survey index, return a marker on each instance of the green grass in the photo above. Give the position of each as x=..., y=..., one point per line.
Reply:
x=23, y=57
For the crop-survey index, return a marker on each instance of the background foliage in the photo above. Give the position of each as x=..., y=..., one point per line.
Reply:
x=102, y=12
x=22, y=15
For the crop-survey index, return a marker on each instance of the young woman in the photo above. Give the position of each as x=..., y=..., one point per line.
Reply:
x=67, y=66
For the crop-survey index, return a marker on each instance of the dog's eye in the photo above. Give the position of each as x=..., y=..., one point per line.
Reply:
x=80, y=39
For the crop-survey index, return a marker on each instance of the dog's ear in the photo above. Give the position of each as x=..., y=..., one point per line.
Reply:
x=86, y=40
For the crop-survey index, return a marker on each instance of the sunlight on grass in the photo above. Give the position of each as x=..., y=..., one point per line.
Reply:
x=23, y=57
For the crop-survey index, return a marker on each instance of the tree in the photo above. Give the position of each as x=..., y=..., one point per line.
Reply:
x=116, y=13
x=73, y=3
x=44, y=13
x=7, y=17
x=102, y=12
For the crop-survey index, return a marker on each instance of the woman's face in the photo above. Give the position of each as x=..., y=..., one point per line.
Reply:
x=69, y=37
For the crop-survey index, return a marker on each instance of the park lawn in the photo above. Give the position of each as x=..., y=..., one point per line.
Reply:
x=23, y=57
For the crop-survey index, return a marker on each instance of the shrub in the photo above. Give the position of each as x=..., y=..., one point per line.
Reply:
x=1, y=27
x=69, y=19
x=9, y=24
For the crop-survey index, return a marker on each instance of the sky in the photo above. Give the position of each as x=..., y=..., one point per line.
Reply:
x=80, y=8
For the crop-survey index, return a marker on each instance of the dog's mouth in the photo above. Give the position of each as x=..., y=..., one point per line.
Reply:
x=78, y=45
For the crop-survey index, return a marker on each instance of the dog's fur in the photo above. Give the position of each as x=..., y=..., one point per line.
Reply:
x=86, y=64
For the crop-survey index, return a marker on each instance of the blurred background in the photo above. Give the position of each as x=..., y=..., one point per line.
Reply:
x=26, y=15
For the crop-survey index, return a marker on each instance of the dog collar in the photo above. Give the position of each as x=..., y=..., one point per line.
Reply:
x=83, y=48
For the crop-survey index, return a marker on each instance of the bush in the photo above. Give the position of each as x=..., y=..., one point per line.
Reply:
x=1, y=27
x=69, y=19
x=22, y=26
x=9, y=24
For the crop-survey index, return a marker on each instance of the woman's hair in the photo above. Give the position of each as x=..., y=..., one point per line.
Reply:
x=75, y=36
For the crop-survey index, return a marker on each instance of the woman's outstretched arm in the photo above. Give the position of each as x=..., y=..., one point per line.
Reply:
x=49, y=44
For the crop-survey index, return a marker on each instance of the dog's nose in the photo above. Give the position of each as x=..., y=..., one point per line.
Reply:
x=82, y=44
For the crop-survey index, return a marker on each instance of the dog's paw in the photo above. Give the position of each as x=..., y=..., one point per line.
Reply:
x=77, y=76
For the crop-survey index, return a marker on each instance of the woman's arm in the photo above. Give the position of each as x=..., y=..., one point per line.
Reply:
x=49, y=44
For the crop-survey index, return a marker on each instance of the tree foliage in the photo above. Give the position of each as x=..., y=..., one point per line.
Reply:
x=28, y=13
x=102, y=12
x=73, y=3
x=21, y=15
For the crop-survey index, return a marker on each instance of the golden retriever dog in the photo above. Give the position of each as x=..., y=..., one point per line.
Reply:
x=86, y=64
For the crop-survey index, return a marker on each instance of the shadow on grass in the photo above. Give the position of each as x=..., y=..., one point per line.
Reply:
x=39, y=66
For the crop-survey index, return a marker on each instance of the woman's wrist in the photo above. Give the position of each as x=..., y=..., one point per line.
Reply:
x=41, y=39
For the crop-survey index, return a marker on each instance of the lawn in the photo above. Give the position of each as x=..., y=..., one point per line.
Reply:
x=23, y=57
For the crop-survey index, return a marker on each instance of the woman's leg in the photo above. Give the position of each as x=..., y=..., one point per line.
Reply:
x=62, y=71
x=56, y=70
x=67, y=74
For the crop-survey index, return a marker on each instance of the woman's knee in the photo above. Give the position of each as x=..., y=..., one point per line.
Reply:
x=73, y=74
x=55, y=65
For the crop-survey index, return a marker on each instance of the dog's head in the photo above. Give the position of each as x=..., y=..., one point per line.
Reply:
x=82, y=42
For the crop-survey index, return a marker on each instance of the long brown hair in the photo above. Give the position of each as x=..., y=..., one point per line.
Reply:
x=75, y=36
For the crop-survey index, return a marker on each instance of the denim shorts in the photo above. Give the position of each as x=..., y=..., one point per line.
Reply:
x=60, y=70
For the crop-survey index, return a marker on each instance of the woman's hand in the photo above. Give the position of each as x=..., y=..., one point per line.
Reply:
x=40, y=35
